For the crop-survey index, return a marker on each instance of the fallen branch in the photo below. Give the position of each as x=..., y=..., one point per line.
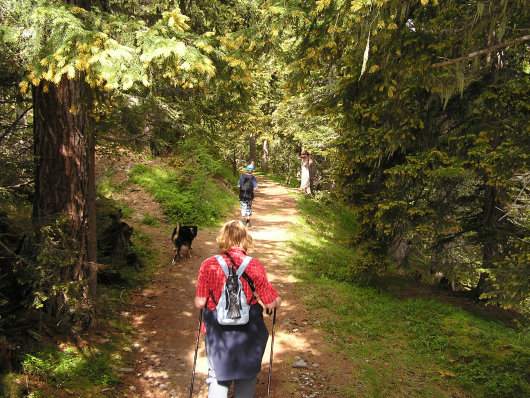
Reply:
x=23, y=184
x=480, y=52
x=9, y=251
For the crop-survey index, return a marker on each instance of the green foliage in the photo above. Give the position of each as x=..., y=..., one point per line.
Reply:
x=114, y=51
x=323, y=237
x=187, y=190
x=74, y=368
x=9, y=386
x=147, y=219
x=507, y=285
x=397, y=340
x=16, y=168
x=56, y=250
x=432, y=157
x=484, y=355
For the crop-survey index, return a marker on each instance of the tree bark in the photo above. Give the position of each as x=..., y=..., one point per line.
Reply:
x=60, y=150
x=252, y=149
x=62, y=170
x=265, y=156
x=234, y=162
x=288, y=173
x=92, y=249
x=489, y=233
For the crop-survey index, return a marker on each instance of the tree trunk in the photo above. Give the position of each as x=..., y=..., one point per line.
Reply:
x=490, y=230
x=92, y=249
x=62, y=173
x=489, y=236
x=265, y=156
x=288, y=173
x=252, y=149
x=311, y=173
x=234, y=162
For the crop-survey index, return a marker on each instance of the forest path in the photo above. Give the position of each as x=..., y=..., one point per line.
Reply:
x=165, y=322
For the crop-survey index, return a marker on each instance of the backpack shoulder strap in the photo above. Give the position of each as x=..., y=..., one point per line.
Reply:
x=222, y=263
x=248, y=179
x=243, y=274
x=243, y=266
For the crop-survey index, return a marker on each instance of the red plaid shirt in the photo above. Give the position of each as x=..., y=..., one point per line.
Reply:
x=211, y=279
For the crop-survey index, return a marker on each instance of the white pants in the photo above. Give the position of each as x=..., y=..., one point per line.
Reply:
x=246, y=208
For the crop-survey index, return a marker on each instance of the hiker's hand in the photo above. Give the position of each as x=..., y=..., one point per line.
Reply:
x=200, y=302
x=268, y=311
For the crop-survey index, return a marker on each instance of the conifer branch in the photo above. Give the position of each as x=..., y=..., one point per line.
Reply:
x=481, y=52
x=9, y=129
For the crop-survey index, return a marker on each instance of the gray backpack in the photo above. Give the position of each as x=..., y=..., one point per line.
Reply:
x=233, y=308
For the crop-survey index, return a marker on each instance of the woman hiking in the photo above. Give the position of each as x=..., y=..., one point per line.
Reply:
x=247, y=185
x=234, y=352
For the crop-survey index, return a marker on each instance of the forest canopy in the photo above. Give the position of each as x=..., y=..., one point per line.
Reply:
x=413, y=113
x=428, y=100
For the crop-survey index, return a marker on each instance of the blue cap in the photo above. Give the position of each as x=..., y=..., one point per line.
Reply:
x=250, y=167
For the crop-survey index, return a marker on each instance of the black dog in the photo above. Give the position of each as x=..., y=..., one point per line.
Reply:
x=183, y=235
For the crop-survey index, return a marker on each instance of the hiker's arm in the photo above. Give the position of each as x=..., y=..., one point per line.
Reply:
x=275, y=304
x=200, y=302
x=201, y=296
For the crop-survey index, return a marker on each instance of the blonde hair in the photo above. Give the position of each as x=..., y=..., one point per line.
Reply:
x=234, y=234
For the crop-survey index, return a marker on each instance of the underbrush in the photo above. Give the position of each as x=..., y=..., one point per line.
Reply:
x=72, y=368
x=89, y=371
x=190, y=188
x=416, y=347
x=44, y=362
x=189, y=193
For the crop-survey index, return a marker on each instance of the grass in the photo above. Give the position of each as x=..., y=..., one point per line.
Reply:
x=412, y=347
x=326, y=251
x=72, y=367
x=293, y=183
x=89, y=370
x=200, y=201
x=148, y=219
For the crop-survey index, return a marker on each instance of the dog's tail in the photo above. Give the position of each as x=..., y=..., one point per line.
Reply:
x=176, y=231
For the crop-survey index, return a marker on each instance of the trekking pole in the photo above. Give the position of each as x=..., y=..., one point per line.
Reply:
x=270, y=361
x=196, y=349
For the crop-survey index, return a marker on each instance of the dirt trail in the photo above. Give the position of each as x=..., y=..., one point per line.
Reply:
x=165, y=322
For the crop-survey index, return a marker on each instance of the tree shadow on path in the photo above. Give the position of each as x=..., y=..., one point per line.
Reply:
x=165, y=323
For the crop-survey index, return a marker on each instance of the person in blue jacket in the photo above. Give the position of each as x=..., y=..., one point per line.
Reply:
x=247, y=185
